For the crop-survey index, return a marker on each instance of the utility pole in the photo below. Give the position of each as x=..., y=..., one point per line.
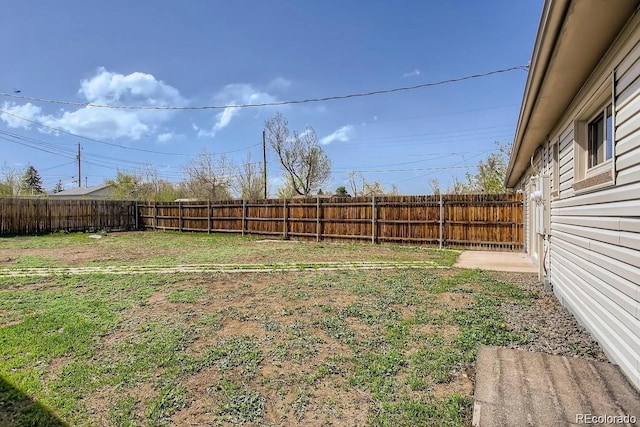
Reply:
x=79, y=170
x=264, y=161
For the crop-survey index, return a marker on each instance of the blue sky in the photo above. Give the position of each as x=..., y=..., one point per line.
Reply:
x=171, y=53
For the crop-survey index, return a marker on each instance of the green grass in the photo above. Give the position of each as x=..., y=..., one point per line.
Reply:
x=172, y=248
x=269, y=348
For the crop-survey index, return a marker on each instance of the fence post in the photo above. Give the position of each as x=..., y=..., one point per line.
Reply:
x=441, y=222
x=373, y=219
x=155, y=216
x=208, y=216
x=244, y=215
x=137, y=214
x=318, y=227
x=285, y=231
x=180, y=216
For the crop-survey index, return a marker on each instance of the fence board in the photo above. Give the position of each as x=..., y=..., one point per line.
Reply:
x=36, y=216
x=460, y=221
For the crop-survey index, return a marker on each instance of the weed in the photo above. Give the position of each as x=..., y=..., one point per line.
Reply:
x=336, y=327
x=239, y=404
x=172, y=398
x=376, y=372
x=122, y=414
x=439, y=363
x=243, y=352
x=481, y=323
x=189, y=295
x=451, y=411
x=302, y=399
x=300, y=345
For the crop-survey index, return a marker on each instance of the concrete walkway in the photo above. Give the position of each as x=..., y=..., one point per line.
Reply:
x=522, y=388
x=496, y=261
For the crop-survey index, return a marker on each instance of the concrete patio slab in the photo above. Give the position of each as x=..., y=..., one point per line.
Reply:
x=496, y=261
x=523, y=388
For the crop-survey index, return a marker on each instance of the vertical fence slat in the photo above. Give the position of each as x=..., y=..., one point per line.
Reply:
x=285, y=224
x=373, y=219
x=244, y=215
x=465, y=221
x=440, y=223
x=318, y=230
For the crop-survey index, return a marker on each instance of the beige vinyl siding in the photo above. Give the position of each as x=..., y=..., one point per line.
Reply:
x=595, y=236
x=565, y=163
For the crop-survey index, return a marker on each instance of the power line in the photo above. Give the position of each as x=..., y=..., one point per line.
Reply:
x=270, y=104
x=428, y=116
x=113, y=144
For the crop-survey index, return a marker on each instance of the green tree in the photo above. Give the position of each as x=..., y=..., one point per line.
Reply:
x=286, y=191
x=302, y=159
x=342, y=191
x=31, y=181
x=490, y=174
x=126, y=186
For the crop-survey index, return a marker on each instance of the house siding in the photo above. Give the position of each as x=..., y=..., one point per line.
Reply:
x=594, y=243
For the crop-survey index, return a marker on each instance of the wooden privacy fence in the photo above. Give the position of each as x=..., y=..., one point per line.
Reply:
x=34, y=216
x=492, y=222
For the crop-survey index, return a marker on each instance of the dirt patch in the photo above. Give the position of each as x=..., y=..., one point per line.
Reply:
x=101, y=401
x=462, y=383
x=448, y=332
x=234, y=328
x=454, y=300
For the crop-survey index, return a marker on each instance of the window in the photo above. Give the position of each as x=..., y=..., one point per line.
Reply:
x=594, y=140
x=601, y=137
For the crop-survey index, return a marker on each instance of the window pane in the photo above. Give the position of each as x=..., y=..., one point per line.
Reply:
x=596, y=141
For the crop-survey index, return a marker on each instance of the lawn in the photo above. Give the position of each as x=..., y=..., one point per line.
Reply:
x=171, y=248
x=388, y=347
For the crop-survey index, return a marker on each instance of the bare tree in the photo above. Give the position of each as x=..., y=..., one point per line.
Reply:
x=356, y=183
x=10, y=182
x=434, y=186
x=250, y=180
x=209, y=178
x=361, y=187
x=303, y=161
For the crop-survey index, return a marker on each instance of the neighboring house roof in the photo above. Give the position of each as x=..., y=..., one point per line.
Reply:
x=85, y=191
x=572, y=38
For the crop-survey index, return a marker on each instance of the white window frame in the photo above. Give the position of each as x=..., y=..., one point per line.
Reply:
x=591, y=169
x=602, y=175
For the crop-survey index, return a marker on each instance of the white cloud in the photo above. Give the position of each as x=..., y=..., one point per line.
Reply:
x=343, y=134
x=413, y=73
x=234, y=94
x=110, y=88
x=135, y=88
x=165, y=137
x=28, y=111
x=279, y=83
